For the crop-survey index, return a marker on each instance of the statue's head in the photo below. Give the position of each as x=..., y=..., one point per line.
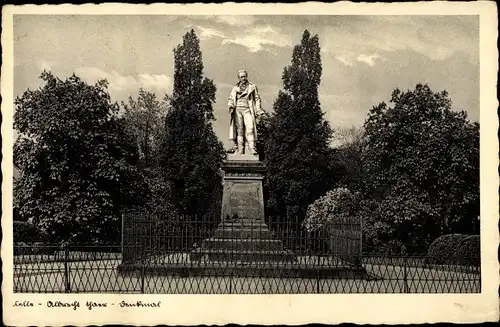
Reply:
x=243, y=76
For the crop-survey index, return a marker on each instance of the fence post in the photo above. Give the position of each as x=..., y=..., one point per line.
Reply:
x=142, y=279
x=317, y=281
x=67, y=285
x=405, y=275
x=123, y=232
x=142, y=268
x=360, y=242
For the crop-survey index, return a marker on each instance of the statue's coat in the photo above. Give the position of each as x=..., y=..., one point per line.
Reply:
x=253, y=103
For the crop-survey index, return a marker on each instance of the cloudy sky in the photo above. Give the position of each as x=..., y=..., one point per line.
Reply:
x=364, y=57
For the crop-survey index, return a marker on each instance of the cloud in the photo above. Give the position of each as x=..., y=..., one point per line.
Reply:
x=368, y=59
x=207, y=32
x=235, y=20
x=343, y=59
x=155, y=82
x=380, y=34
x=120, y=86
x=257, y=38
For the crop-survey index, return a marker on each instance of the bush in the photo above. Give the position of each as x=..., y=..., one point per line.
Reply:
x=392, y=248
x=42, y=248
x=336, y=205
x=21, y=248
x=379, y=237
x=444, y=249
x=339, y=208
x=468, y=252
x=28, y=233
x=29, y=239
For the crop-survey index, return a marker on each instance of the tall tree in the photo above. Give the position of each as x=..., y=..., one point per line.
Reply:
x=192, y=154
x=348, y=156
x=422, y=165
x=144, y=119
x=78, y=166
x=297, y=150
x=263, y=132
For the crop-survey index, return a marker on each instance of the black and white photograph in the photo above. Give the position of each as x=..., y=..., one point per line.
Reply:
x=157, y=154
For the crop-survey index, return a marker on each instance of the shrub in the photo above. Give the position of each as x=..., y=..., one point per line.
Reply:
x=21, y=248
x=379, y=237
x=468, y=252
x=392, y=248
x=339, y=206
x=443, y=249
x=26, y=232
x=29, y=239
x=336, y=204
x=42, y=248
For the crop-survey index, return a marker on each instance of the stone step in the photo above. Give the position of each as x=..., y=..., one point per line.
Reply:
x=254, y=224
x=242, y=233
x=275, y=270
x=242, y=244
x=229, y=257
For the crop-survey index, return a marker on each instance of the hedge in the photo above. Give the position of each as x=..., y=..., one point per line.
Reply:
x=454, y=249
x=469, y=251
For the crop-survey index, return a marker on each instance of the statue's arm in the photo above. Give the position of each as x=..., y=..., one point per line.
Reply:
x=258, y=108
x=230, y=101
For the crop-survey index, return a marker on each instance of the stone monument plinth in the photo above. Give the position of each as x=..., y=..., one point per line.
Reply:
x=242, y=235
x=243, y=198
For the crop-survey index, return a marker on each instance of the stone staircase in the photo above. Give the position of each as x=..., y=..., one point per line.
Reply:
x=242, y=241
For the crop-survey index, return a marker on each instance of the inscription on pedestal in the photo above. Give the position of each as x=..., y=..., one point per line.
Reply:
x=243, y=200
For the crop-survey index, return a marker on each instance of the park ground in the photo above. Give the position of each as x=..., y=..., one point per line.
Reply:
x=101, y=276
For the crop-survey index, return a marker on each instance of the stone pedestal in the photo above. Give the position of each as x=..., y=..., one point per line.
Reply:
x=243, y=234
x=243, y=199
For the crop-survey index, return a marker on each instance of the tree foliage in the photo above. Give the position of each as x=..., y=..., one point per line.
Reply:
x=422, y=166
x=78, y=165
x=348, y=157
x=263, y=133
x=192, y=154
x=144, y=118
x=297, y=152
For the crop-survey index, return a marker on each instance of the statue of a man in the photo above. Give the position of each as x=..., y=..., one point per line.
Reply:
x=244, y=107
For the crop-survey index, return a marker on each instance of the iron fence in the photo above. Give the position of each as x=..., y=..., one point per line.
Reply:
x=238, y=238
x=81, y=269
x=202, y=255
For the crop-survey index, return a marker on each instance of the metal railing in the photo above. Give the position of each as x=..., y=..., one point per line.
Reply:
x=81, y=269
x=209, y=238
x=202, y=255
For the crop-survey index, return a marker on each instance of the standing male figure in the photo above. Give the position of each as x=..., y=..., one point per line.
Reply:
x=244, y=107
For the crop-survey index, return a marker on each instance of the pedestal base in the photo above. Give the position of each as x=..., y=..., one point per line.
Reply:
x=244, y=241
x=243, y=235
x=232, y=157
